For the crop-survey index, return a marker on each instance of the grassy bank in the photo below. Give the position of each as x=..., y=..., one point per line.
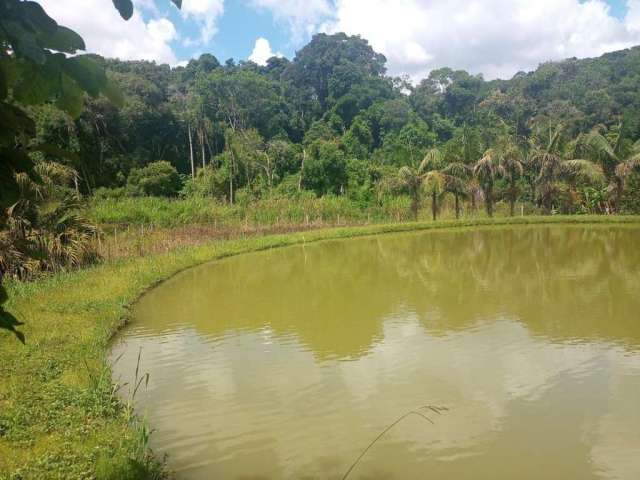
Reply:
x=60, y=416
x=270, y=211
x=281, y=211
x=143, y=226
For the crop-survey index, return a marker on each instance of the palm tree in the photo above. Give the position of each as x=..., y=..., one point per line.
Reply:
x=412, y=180
x=549, y=159
x=617, y=159
x=513, y=168
x=45, y=230
x=434, y=179
x=428, y=177
x=486, y=170
x=456, y=175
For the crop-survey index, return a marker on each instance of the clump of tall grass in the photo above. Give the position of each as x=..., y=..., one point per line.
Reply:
x=160, y=211
x=270, y=210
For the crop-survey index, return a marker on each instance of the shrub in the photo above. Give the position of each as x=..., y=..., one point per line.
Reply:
x=104, y=193
x=289, y=187
x=46, y=230
x=158, y=179
x=209, y=182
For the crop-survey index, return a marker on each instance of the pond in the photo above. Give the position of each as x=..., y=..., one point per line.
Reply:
x=288, y=363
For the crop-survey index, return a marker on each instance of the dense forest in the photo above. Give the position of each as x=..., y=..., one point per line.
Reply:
x=332, y=121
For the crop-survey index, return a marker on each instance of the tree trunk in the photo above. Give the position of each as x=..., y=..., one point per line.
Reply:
x=414, y=206
x=204, y=164
x=488, y=201
x=512, y=199
x=231, y=179
x=304, y=155
x=434, y=206
x=193, y=166
x=619, y=191
x=457, y=206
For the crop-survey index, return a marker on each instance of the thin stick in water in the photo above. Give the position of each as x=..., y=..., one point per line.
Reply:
x=412, y=412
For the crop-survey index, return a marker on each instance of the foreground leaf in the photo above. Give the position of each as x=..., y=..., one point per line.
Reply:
x=125, y=7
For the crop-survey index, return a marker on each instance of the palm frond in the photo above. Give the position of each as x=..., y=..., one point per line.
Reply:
x=594, y=142
x=584, y=169
x=484, y=168
x=434, y=182
x=457, y=169
x=455, y=184
x=432, y=161
x=406, y=174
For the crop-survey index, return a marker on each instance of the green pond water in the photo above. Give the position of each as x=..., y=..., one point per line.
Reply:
x=288, y=363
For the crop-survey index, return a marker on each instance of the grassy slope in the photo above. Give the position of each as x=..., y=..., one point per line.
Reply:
x=58, y=411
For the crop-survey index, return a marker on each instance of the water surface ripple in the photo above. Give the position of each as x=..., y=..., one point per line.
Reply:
x=287, y=363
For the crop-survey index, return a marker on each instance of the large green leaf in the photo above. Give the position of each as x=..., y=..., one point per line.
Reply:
x=125, y=7
x=35, y=18
x=62, y=40
x=35, y=83
x=113, y=93
x=14, y=121
x=4, y=82
x=71, y=97
x=9, y=190
x=17, y=159
x=55, y=151
x=8, y=69
x=23, y=42
x=89, y=75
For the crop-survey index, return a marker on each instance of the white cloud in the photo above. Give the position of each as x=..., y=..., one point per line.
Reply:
x=262, y=52
x=107, y=34
x=303, y=17
x=494, y=37
x=633, y=15
x=206, y=13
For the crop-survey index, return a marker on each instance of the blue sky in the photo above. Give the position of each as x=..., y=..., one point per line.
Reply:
x=494, y=37
x=238, y=29
x=619, y=7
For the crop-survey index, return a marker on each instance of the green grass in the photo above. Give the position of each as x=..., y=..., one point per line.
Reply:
x=270, y=211
x=59, y=414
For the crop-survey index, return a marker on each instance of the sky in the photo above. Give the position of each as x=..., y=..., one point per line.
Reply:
x=497, y=38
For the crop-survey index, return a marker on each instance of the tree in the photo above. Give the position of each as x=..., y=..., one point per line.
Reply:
x=158, y=179
x=426, y=176
x=486, y=170
x=512, y=164
x=617, y=158
x=434, y=180
x=320, y=62
x=325, y=168
x=456, y=176
x=550, y=159
x=358, y=141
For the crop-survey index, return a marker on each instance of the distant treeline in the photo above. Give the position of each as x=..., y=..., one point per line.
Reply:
x=332, y=121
